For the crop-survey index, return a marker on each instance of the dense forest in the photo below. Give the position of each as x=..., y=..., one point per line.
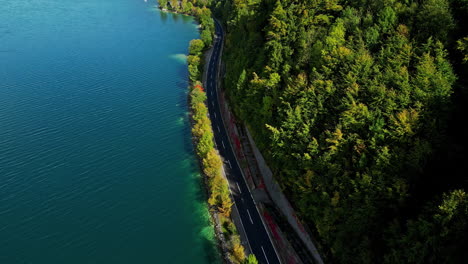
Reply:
x=359, y=109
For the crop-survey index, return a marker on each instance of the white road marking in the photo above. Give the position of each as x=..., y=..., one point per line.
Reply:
x=238, y=188
x=229, y=164
x=223, y=144
x=249, y=216
x=212, y=103
x=265, y=255
x=219, y=131
x=215, y=115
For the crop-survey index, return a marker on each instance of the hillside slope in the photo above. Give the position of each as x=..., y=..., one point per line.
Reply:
x=351, y=103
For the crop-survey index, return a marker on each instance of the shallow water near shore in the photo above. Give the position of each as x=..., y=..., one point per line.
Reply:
x=96, y=160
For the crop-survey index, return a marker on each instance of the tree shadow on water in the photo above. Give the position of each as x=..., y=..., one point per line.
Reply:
x=213, y=255
x=186, y=19
x=175, y=17
x=183, y=104
x=163, y=17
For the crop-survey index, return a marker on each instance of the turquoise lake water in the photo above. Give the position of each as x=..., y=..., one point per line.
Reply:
x=96, y=162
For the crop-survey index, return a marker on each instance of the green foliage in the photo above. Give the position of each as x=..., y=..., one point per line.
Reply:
x=228, y=226
x=206, y=37
x=196, y=47
x=197, y=96
x=437, y=236
x=185, y=7
x=238, y=252
x=211, y=161
x=193, y=60
x=435, y=19
x=193, y=67
x=251, y=259
x=205, y=144
x=174, y=5
x=163, y=4
x=348, y=100
x=212, y=164
x=462, y=45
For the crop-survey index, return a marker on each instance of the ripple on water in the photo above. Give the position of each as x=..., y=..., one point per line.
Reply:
x=96, y=164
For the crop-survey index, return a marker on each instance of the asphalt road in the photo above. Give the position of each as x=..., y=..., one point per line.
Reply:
x=257, y=235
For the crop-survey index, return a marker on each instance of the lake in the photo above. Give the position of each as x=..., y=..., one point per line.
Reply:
x=96, y=160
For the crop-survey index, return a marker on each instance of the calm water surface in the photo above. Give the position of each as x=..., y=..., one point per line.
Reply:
x=96, y=163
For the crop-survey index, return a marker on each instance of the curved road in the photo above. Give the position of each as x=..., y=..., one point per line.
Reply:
x=257, y=235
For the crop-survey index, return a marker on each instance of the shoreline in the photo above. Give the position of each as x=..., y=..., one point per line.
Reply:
x=225, y=245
